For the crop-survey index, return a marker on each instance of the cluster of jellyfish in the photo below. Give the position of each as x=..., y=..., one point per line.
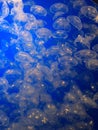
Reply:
x=48, y=65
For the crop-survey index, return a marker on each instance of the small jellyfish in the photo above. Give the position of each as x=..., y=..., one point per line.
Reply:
x=95, y=48
x=75, y=21
x=89, y=11
x=23, y=57
x=61, y=24
x=38, y=10
x=4, y=9
x=58, y=14
x=85, y=54
x=43, y=33
x=58, y=7
x=92, y=64
x=60, y=34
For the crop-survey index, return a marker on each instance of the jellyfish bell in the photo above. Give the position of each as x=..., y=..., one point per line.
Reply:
x=58, y=7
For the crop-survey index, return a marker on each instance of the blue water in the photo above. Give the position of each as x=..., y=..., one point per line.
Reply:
x=48, y=65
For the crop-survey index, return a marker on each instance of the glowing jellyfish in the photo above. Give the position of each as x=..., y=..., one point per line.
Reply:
x=89, y=11
x=92, y=64
x=85, y=54
x=60, y=34
x=43, y=33
x=38, y=10
x=23, y=57
x=95, y=48
x=4, y=9
x=58, y=14
x=58, y=7
x=75, y=21
x=61, y=24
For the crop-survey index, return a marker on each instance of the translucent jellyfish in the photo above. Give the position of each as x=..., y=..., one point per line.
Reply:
x=4, y=120
x=61, y=24
x=58, y=7
x=26, y=36
x=85, y=54
x=23, y=57
x=60, y=34
x=4, y=9
x=92, y=64
x=89, y=11
x=4, y=25
x=38, y=10
x=75, y=21
x=12, y=75
x=36, y=117
x=44, y=33
x=3, y=84
x=58, y=14
x=68, y=60
x=95, y=48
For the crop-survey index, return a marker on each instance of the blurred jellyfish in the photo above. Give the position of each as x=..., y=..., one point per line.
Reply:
x=43, y=33
x=61, y=24
x=89, y=11
x=59, y=34
x=58, y=7
x=75, y=21
x=4, y=9
x=92, y=64
x=95, y=48
x=85, y=54
x=38, y=10
x=58, y=14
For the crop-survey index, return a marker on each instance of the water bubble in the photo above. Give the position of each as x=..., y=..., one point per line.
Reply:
x=61, y=24
x=58, y=7
x=89, y=11
x=38, y=10
x=75, y=21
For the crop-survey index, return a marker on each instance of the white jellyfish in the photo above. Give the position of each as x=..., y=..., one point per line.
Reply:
x=38, y=10
x=75, y=21
x=60, y=34
x=85, y=54
x=89, y=11
x=44, y=33
x=58, y=7
x=4, y=9
x=92, y=64
x=61, y=24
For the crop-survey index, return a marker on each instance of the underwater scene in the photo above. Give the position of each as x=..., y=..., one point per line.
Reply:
x=48, y=65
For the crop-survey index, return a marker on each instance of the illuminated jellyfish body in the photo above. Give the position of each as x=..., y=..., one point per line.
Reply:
x=61, y=24
x=58, y=14
x=92, y=64
x=38, y=10
x=43, y=34
x=95, y=48
x=4, y=9
x=89, y=11
x=75, y=21
x=23, y=57
x=85, y=54
x=59, y=34
x=56, y=7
